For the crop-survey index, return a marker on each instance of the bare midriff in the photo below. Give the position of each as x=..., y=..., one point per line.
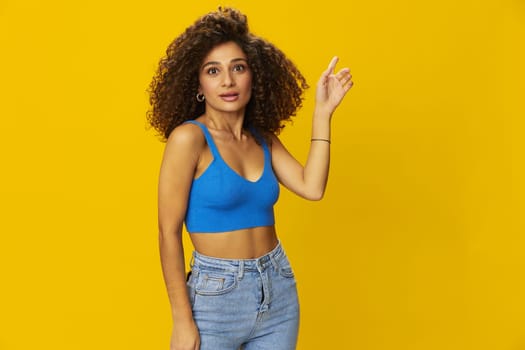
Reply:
x=248, y=243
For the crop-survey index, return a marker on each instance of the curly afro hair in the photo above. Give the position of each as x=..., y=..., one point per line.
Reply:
x=277, y=85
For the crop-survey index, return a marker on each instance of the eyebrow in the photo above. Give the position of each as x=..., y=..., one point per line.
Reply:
x=211, y=63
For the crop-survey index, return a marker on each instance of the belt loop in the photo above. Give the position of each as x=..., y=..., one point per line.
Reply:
x=275, y=263
x=241, y=269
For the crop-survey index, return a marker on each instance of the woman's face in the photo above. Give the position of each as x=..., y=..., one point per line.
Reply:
x=225, y=79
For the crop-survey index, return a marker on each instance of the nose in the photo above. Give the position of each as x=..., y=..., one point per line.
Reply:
x=228, y=79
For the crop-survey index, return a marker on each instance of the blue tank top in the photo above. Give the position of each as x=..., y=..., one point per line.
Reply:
x=222, y=200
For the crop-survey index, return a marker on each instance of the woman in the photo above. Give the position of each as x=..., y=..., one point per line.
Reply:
x=219, y=98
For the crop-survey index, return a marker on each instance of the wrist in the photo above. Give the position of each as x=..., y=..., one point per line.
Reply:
x=181, y=310
x=321, y=112
x=320, y=128
x=182, y=316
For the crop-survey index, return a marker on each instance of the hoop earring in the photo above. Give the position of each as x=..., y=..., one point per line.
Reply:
x=200, y=97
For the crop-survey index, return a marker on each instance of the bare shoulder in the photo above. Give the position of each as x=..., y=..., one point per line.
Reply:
x=186, y=137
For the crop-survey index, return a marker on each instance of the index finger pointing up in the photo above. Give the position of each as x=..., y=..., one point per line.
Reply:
x=332, y=64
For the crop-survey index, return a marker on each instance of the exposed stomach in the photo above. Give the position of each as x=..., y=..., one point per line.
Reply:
x=248, y=243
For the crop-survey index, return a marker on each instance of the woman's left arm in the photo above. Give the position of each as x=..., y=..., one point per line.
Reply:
x=310, y=181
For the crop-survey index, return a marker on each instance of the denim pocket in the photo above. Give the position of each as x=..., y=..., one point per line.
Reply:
x=215, y=283
x=287, y=272
x=285, y=268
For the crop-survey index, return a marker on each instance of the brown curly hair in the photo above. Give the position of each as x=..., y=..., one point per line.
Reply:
x=277, y=86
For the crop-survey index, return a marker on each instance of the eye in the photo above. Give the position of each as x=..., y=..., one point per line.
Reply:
x=239, y=68
x=212, y=70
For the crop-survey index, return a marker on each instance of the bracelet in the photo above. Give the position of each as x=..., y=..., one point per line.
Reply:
x=325, y=140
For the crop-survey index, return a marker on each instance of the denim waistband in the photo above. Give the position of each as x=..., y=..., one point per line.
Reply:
x=258, y=264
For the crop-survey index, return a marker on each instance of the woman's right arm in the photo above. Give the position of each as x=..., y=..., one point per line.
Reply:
x=181, y=156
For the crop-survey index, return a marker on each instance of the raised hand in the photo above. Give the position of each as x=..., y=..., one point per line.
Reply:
x=332, y=88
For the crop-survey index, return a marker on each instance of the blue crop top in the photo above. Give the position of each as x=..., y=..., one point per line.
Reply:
x=222, y=200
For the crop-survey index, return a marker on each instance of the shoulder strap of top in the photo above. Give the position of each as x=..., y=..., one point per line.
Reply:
x=207, y=136
x=261, y=140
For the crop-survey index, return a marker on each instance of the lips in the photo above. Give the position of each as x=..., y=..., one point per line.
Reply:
x=229, y=97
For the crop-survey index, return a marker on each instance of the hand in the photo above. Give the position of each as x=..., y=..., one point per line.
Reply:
x=332, y=88
x=185, y=336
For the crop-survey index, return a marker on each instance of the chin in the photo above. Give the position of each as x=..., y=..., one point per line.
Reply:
x=230, y=107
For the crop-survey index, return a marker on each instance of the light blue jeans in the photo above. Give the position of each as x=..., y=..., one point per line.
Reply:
x=245, y=304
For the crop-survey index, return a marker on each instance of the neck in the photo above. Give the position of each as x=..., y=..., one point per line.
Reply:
x=230, y=123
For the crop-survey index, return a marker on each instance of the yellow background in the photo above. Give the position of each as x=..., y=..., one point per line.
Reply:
x=418, y=244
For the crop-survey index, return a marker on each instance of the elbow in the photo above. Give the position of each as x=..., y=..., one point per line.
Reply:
x=313, y=190
x=169, y=233
x=165, y=239
x=168, y=241
x=163, y=235
x=316, y=198
x=315, y=195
